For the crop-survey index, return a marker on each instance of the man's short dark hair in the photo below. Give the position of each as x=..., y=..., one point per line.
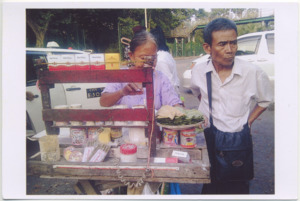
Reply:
x=217, y=25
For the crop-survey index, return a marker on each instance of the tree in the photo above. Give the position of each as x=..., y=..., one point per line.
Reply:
x=38, y=21
x=238, y=12
x=219, y=12
x=97, y=29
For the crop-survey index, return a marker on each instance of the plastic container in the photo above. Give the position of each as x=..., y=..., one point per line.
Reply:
x=115, y=133
x=93, y=133
x=128, y=153
x=78, y=136
x=137, y=136
x=188, y=138
x=49, y=147
x=170, y=137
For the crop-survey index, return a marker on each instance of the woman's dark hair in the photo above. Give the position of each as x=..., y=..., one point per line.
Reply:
x=217, y=25
x=141, y=38
x=137, y=29
x=160, y=38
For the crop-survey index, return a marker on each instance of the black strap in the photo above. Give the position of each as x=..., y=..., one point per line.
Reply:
x=208, y=81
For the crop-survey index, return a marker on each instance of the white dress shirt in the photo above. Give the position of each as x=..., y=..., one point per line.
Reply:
x=167, y=65
x=231, y=100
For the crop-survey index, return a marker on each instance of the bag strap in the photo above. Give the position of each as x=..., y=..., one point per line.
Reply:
x=208, y=81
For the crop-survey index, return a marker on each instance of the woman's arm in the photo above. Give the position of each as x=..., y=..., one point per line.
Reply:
x=110, y=99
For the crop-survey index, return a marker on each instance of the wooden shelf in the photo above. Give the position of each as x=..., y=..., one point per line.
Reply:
x=96, y=115
x=95, y=126
x=195, y=172
x=144, y=75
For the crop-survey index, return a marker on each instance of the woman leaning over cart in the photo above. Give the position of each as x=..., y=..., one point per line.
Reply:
x=142, y=45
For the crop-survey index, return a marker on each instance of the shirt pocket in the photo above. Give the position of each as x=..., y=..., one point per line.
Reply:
x=235, y=106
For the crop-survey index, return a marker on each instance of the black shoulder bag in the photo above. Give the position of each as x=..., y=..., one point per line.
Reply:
x=230, y=154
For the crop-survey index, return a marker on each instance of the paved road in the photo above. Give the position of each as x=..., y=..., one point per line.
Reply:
x=263, y=140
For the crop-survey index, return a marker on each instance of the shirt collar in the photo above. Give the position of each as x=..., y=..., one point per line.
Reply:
x=235, y=68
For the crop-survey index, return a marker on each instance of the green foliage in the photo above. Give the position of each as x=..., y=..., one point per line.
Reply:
x=172, y=47
x=250, y=28
x=219, y=12
x=125, y=30
x=101, y=29
x=113, y=48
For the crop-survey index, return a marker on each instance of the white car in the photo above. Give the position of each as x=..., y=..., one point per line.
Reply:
x=86, y=94
x=257, y=48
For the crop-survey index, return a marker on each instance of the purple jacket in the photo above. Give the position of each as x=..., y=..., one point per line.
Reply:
x=165, y=93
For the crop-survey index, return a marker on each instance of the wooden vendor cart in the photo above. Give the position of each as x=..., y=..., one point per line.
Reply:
x=111, y=169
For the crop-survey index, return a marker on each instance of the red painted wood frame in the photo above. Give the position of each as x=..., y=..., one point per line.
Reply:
x=145, y=75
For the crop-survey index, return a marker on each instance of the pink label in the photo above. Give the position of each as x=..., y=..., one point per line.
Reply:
x=98, y=156
x=87, y=153
x=171, y=160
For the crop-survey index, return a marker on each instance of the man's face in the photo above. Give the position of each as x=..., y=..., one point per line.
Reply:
x=223, y=48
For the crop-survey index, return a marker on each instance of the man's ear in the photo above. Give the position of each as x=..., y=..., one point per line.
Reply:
x=206, y=48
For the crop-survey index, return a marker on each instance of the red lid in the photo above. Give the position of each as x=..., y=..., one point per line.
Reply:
x=128, y=149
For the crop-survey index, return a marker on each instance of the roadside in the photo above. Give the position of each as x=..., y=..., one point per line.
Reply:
x=263, y=141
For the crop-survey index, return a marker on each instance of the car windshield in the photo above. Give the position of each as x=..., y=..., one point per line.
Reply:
x=248, y=45
x=270, y=43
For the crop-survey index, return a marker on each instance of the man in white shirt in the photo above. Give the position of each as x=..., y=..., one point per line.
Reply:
x=167, y=65
x=235, y=85
x=165, y=61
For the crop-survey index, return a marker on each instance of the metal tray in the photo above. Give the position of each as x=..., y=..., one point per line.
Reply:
x=180, y=127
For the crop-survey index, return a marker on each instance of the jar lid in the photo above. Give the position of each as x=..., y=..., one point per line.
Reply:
x=128, y=149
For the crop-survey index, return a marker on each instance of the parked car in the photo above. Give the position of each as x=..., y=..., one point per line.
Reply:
x=257, y=48
x=86, y=94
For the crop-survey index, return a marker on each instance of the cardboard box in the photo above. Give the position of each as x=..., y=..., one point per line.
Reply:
x=68, y=61
x=82, y=62
x=112, y=61
x=54, y=62
x=97, y=62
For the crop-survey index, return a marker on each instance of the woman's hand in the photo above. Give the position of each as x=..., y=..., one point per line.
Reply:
x=204, y=124
x=133, y=89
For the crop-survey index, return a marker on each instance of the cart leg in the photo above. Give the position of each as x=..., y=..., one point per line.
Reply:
x=85, y=187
